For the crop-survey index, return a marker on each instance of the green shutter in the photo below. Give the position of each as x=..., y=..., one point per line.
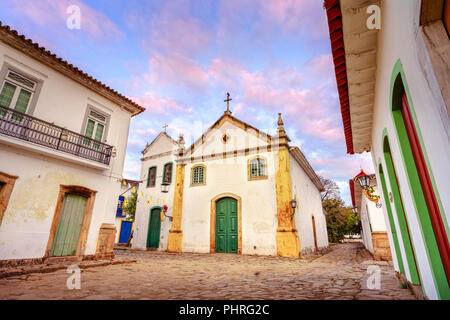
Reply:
x=89, y=128
x=21, y=104
x=88, y=133
x=98, y=135
x=23, y=100
x=99, y=132
x=6, y=96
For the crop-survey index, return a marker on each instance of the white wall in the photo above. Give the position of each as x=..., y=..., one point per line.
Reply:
x=259, y=212
x=399, y=38
x=309, y=204
x=149, y=197
x=26, y=224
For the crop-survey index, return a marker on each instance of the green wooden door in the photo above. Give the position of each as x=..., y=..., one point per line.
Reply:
x=154, y=228
x=226, y=225
x=69, y=225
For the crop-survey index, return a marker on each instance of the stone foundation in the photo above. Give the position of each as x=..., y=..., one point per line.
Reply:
x=381, y=248
x=105, y=242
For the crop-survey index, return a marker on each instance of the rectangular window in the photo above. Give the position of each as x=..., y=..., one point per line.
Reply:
x=151, y=179
x=257, y=168
x=16, y=93
x=198, y=175
x=95, y=128
x=167, y=173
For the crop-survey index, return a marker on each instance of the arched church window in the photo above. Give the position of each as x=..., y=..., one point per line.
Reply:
x=198, y=175
x=257, y=168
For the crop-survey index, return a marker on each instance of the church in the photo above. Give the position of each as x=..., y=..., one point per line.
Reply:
x=236, y=189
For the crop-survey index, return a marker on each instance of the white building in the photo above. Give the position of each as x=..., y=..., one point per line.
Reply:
x=230, y=191
x=373, y=227
x=63, y=137
x=392, y=63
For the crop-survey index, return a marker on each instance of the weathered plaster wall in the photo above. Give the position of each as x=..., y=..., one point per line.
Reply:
x=149, y=197
x=259, y=220
x=308, y=204
x=25, y=228
x=24, y=231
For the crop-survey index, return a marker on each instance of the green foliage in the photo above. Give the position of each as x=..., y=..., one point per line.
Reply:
x=130, y=207
x=340, y=219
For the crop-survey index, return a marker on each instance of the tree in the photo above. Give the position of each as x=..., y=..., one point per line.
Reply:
x=331, y=189
x=340, y=218
x=130, y=207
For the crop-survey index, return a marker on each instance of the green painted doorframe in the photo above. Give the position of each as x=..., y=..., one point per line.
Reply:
x=401, y=216
x=398, y=253
x=398, y=86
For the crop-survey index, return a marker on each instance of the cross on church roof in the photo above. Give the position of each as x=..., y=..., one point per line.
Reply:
x=165, y=128
x=228, y=103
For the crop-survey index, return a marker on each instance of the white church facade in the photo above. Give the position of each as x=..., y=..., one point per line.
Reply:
x=235, y=189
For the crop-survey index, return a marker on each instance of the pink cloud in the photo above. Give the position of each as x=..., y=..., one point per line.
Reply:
x=294, y=93
x=159, y=105
x=294, y=16
x=54, y=13
x=176, y=69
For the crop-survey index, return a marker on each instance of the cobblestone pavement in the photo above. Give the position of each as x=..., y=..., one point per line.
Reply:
x=339, y=274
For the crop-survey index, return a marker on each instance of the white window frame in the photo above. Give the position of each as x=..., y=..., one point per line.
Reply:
x=19, y=86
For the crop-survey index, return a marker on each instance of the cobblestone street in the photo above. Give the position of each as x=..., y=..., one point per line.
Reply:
x=339, y=274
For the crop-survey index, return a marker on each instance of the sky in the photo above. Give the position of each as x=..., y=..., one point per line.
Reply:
x=179, y=58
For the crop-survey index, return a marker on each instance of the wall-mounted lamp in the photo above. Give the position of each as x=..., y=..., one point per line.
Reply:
x=293, y=204
x=363, y=179
x=355, y=210
x=165, y=187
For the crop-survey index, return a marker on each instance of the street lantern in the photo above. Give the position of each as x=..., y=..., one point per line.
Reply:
x=355, y=210
x=363, y=179
x=165, y=187
x=293, y=204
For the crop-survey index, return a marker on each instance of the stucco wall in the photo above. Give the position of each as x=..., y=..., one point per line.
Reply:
x=259, y=220
x=308, y=204
x=150, y=197
x=26, y=224
x=24, y=231
x=400, y=38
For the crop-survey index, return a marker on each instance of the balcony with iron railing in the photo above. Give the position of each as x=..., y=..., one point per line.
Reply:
x=36, y=131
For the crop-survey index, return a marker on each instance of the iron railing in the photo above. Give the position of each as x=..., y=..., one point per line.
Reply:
x=25, y=127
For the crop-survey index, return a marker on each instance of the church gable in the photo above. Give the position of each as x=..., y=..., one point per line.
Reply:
x=163, y=143
x=228, y=134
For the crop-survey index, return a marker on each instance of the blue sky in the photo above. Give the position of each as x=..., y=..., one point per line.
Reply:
x=178, y=59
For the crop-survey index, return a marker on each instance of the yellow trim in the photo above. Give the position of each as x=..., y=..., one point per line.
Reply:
x=175, y=240
x=288, y=242
x=249, y=175
x=204, y=176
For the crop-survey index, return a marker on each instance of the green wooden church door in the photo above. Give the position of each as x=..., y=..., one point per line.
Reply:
x=69, y=225
x=154, y=228
x=226, y=225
